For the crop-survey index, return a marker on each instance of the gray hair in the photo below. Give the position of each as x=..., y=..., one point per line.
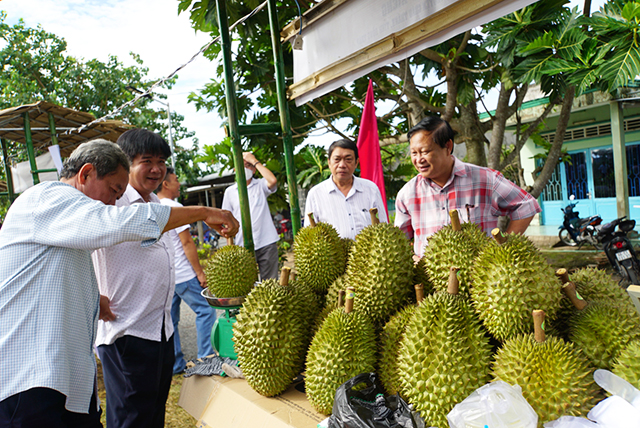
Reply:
x=104, y=155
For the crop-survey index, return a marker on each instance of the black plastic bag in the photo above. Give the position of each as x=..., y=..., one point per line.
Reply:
x=367, y=407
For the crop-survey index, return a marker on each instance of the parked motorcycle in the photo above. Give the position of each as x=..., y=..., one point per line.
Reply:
x=619, y=251
x=579, y=231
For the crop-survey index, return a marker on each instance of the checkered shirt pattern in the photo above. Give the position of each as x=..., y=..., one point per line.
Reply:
x=48, y=290
x=479, y=194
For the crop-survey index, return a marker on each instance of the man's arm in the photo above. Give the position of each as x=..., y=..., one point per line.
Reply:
x=519, y=226
x=220, y=220
x=191, y=252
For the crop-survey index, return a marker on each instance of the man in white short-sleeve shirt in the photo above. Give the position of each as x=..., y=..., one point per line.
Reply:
x=344, y=200
x=265, y=236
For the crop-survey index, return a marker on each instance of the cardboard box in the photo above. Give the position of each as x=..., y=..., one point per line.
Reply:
x=230, y=403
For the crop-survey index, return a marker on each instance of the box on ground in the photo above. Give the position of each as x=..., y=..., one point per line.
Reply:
x=222, y=402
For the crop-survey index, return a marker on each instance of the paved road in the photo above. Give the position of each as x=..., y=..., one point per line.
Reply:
x=188, y=334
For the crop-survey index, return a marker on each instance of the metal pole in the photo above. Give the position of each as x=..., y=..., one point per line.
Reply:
x=7, y=169
x=30, y=151
x=285, y=121
x=173, y=149
x=243, y=196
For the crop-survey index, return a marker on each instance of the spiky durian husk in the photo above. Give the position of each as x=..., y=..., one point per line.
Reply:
x=627, y=365
x=231, y=272
x=319, y=256
x=271, y=335
x=420, y=275
x=343, y=347
x=381, y=270
x=330, y=302
x=602, y=330
x=347, y=245
x=510, y=281
x=390, y=337
x=555, y=378
x=447, y=248
x=444, y=356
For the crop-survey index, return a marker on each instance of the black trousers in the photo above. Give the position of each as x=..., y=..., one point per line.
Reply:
x=44, y=407
x=137, y=377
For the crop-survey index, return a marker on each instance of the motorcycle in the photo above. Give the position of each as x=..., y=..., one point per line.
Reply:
x=579, y=231
x=619, y=251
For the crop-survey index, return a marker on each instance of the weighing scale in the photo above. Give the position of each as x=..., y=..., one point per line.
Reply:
x=222, y=331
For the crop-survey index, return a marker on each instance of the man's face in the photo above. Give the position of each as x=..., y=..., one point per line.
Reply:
x=147, y=172
x=172, y=185
x=107, y=189
x=431, y=160
x=342, y=163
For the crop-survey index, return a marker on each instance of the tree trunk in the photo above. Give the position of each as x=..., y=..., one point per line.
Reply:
x=499, y=124
x=471, y=133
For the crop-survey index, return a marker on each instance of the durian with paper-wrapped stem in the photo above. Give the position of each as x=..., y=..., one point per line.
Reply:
x=510, y=279
x=343, y=347
x=444, y=354
x=380, y=269
x=600, y=328
x=556, y=378
x=455, y=244
x=231, y=271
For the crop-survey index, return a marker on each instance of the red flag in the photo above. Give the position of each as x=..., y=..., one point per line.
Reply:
x=369, y=147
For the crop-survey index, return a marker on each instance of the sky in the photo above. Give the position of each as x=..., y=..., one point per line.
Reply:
x=150, y=28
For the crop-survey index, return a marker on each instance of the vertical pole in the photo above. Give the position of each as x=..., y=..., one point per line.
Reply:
x=225, y=43
x=619, y=158
x=52, y=129
x=7, y=169
x=173, y=149
x=30, y=151
x=285, y=121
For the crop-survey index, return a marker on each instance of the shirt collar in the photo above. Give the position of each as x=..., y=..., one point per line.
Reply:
x=333, y=187
x=133, y=196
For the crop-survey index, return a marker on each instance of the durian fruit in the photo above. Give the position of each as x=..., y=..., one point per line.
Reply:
x=347, y=245
x=596, y=284
x=380, y=269
x=555, y=377
x=444, y=355
x=343, y=347
x=319, y=255
x=231, y=271
x=331, y=301
x=454, y=244
x=600, y=328
x=420, y=275
x=271, y=334
x=390, y=338
x=627, y=365
x=510, y=279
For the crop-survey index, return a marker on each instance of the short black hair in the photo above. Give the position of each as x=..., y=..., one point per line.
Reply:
x=104, y=155
x=344, y=144
x=170, y=171
x=143, y=142
x=439, y=129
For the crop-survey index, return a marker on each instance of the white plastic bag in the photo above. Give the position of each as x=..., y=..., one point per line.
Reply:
x=615, y=412
x=497, y=405
x=570, y=422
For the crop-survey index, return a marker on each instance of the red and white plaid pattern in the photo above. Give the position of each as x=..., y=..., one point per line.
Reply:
x=479, y=194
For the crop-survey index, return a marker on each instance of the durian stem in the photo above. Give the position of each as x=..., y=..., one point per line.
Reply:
x=341, y=294
x=373, y=212
x=230, y=240
x=348, y=306
x=454, y=285
x=498, y=236
x=419, y=292
x=312, y=221
x=569, y=289
x=455, y=220
x=563, y=275
x=538, y=330
x=284, y=276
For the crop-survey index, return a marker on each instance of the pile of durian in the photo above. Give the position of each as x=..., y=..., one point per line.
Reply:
x=471, y=311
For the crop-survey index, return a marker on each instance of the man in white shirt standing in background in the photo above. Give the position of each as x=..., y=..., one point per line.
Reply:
x=190, y=279
x=344, y=200
x=265, y=236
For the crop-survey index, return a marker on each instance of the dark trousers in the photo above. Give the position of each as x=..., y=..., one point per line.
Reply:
x=137, y=377
x=267, y=258
x=44, y=407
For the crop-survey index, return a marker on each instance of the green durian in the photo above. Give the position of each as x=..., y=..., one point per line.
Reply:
x=627, y=364
x=444, y=355
x=343, y=347
x=509, y=281
x=271, y=335
x=331, y=301
x=319, y=256
x=596, y=284
x=381, y=271
x=555, y=377
x=420, y=275
x=347, y=245
x=231, y=272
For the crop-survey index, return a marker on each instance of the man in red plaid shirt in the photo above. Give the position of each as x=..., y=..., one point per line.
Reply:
x=445, y=183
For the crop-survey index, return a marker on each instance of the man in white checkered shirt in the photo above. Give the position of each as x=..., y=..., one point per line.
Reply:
x=49, y=299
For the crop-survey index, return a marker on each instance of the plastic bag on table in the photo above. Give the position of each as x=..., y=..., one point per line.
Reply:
x=367, y=407
x=497, y=405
